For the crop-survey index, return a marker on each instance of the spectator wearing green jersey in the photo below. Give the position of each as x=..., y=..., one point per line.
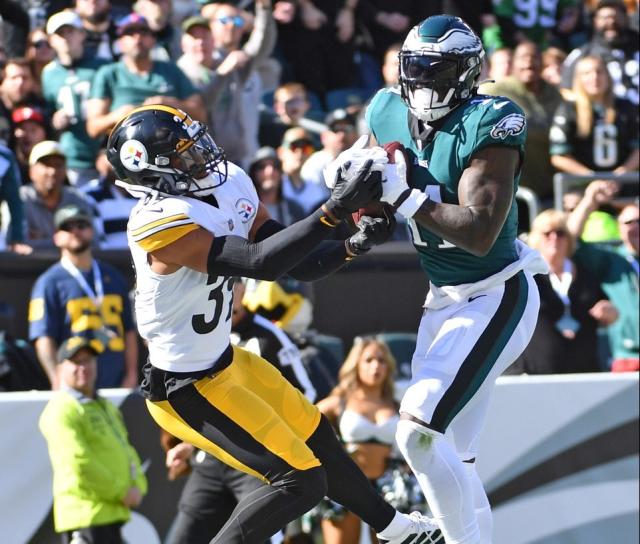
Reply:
x=543, y=23
x=137, y=80
x=97, y=476
x=66, y=82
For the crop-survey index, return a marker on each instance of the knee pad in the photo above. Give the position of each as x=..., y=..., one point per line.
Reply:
x=414, y=439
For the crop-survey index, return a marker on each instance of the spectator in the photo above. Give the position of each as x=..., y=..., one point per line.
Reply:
x=100, y=29
x=18, y=88
x=617, y=44
x=536, y=22
x=114, y=204
x=158, y=15
x=82, y=296
x=595, y=131
x=290, y=109
x=136, y=80
x=552, y=60
x=319, y=45
x=97, y=476
x=391, y=65
x=341, y=134
x=9, y=193
x=39, y=52
x=29, y=128
x=572, y=306
x=47, y=193
x=65, y=87
x=616, y=268
x=225, y=73
x=364, y=413
x=500, y=62
x=14, y=26
x=539, y=101
x=296, y=148
x=266, y=173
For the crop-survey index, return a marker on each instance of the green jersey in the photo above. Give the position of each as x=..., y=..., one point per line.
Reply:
x=533, y=17
x=116, y=83
x=67, y=88
x=437, y=168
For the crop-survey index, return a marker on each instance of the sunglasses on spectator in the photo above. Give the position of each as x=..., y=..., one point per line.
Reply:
x=235, y=19
x=560, y=233
x=70, y=225
x=40, y=44
x=294, y=101
x=304, y=145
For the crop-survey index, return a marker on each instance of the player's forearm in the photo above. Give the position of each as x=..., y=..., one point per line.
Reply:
x=472, y=228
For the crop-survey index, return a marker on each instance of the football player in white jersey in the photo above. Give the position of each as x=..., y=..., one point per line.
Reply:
x=198, y=224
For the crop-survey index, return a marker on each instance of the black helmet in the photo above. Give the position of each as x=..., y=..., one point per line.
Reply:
x=163, y=148
x=440, y=64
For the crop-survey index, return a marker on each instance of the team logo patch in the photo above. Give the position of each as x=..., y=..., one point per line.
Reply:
x=246, y=210
x=511, y=125
x=133, y=155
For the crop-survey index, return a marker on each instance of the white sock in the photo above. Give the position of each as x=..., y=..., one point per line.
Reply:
x=398, y=525
x=481, y=504
x=443, y=480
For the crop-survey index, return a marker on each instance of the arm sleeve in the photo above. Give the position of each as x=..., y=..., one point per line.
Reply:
x=326, y=258
x=273, y=256
x=43, y=309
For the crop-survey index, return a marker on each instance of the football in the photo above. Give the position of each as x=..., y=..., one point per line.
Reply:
x=375, y=209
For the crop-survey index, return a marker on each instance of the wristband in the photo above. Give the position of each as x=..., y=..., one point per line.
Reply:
x=412, y=203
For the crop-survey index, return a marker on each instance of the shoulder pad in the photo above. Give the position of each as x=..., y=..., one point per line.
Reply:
x=160, y=222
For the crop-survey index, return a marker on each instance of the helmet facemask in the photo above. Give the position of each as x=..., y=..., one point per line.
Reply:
x=433, y=84
x=196, y=167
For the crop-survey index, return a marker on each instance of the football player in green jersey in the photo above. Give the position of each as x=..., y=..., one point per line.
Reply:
x=464, y=155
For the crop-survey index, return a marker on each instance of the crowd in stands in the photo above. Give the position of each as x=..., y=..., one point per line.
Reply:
x=283, y=87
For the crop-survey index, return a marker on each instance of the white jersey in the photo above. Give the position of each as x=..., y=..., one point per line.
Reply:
x=186, y=316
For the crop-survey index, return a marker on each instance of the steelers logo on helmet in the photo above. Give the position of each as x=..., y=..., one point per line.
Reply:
x=133, y=155
x=162, y=148
x=440, y=64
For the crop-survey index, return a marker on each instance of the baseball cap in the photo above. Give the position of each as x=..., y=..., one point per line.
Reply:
x=70, y=212
x=294, y=135
x=339, y=116
x=27, y=113
x=196, y=20
x=262, y=154
x=133, y=20
x=63, y=18
x=73, y=345
x=46, y=148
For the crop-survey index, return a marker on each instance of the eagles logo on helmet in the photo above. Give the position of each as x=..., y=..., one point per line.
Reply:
x=440, y=64
x=163, y=148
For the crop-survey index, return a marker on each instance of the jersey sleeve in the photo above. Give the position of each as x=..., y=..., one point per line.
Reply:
x=502, y=123
x=44, y=309
x=563, y=130
x=160, y=223
x=101, y=85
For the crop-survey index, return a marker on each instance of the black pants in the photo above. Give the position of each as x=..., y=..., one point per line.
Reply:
x=211, y=493
x=100, y=534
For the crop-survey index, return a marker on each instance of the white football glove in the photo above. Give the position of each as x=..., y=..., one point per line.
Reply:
x=355, y=156
x=394, y=179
